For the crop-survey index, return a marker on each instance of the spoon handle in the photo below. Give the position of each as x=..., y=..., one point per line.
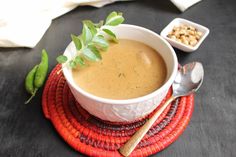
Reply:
x=130, y=145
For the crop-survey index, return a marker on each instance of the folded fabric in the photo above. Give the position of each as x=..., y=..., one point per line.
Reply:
x=24, y=22
x=182, y=5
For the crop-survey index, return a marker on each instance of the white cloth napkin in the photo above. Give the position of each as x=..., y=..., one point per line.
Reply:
x=24, y=22
x=182, y=5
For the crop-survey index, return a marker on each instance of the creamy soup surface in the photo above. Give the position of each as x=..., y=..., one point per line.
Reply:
x=129, y=69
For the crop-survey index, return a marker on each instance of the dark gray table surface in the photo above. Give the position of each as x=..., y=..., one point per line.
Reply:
x=24, y=131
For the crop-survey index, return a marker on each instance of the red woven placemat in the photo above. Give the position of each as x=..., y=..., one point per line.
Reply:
x=94, y=137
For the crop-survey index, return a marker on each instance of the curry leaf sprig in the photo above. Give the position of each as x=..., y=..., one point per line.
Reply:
x=92, y=40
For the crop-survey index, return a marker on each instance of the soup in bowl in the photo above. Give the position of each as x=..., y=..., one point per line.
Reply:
x=130, y=81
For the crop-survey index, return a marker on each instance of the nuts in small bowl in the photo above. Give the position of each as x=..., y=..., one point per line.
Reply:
x=184, y=35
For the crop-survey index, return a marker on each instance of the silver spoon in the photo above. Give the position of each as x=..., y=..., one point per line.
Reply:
x=188, y=80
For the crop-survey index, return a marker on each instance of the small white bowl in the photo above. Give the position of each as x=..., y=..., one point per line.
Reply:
x=130, y=109
x=178, y=21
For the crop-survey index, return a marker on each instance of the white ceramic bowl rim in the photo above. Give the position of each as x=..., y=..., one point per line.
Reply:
x=138, y=99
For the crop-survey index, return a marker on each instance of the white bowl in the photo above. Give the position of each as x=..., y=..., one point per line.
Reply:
x=130, y=109
x=178, y=21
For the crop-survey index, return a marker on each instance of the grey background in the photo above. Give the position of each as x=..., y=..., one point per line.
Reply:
x=212, y=131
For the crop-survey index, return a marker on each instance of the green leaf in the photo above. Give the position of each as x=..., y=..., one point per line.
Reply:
x=100, y=41
x=111, y=34
x=114, y=19
x=72, y=64
x=100, y=24
x=79, y=60
x=110, y=16
x=86, y=34
x=61, y=59
x=91, y=26
x=95, y=51
x=91, y=53
x=76, y=41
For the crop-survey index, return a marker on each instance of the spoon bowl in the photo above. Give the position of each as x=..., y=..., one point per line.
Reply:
x=188, y=80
